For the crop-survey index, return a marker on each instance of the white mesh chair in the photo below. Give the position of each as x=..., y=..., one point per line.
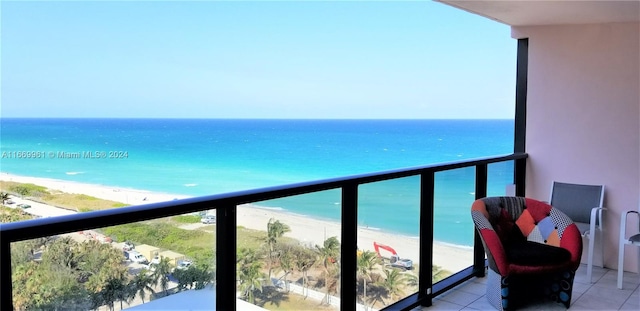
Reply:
x=583, y=204
x=634, y=239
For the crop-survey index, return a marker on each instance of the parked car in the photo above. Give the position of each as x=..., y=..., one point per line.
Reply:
x=184, y=264
x=138, y=258
x=209, y=219
x=9, y=202
x=278, y=283
x=153, y=263
x=24, y=206
x=128, y=246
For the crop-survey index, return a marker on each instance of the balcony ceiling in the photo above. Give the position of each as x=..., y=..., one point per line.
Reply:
x=530, y=13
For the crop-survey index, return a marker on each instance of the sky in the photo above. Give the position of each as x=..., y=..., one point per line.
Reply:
x=260, y=59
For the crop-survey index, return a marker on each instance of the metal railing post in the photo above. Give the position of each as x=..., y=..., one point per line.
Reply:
x=6, y=290
x=425, y=279
x=226, y=238
x=478, y=248
x=349, y=247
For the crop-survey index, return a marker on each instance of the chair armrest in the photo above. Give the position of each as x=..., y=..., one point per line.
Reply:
x=623, y=223
x=495, y=250
x=493, y=245
x=596, y=215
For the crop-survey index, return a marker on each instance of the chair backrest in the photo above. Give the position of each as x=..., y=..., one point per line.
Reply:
x=536, y=220
x=576, y=200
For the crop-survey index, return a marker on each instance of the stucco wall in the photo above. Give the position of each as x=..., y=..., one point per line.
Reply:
x=583, y=116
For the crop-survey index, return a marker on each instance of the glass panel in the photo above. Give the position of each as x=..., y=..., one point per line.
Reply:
x=500, y=178
x=156, y=263
x=388, y=241
x=289, y=252
x=453, y=227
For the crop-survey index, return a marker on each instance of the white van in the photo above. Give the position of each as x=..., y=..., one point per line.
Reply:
x=137, y=257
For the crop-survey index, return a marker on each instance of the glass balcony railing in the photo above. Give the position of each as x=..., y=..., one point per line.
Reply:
x=240, y=251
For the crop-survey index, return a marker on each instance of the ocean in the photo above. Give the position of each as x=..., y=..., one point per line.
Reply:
x=198, y=157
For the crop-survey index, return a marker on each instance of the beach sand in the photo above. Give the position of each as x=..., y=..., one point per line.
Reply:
x=307, y=230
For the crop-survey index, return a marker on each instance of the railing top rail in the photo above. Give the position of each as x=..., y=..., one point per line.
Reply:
x=23, y=230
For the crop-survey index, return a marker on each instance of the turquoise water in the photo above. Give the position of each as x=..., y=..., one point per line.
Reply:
x=201, y=157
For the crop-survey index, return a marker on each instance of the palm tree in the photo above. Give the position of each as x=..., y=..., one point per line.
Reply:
x=141, y=283
x=202, y=276
x=275, y=230
x=114, y=290
x=249, y=274
x=4, y=197
x=161, y=274
x=287, y=262
x=411, y=280
x=185, y=277
x=438, y=273
x=328, y=256
x=366, y=261
x=304, y=259
x=393, y=282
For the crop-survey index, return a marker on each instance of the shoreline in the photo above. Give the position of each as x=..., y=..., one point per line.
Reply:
x=308, y=230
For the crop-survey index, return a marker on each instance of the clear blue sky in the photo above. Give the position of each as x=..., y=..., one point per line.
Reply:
x=254, y=60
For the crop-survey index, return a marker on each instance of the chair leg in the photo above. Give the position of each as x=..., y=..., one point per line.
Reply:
x=565, y=288
x=638, y=261
x=620, y=263
x=497, y=294
x=505, y=293
x=601, y=247
x=590, y=256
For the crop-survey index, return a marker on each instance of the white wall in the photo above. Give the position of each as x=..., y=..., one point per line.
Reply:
x=583, y=116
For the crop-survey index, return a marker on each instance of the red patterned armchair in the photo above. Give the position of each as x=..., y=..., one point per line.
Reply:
x=533, y=250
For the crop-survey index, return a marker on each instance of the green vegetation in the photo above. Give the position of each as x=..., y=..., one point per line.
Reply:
x=74, y=275
x=77, y=202
x=250, y=273
x=275, y=230
x=23, y=190
x=195, y=244
x=367, y=261
x=186, y=219
x=13, y=214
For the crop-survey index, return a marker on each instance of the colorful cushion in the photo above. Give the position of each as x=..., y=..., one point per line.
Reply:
x=536, y=254
x=507, y=230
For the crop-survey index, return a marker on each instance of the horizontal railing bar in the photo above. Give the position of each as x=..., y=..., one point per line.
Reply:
x=18, y=231
x=414, y=300
x=453, y=281
x=408, y=303
x=23, y=230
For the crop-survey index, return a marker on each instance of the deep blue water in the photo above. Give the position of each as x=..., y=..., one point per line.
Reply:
x=207, y=156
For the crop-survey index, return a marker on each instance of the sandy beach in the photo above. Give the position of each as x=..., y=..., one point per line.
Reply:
x=307, y=230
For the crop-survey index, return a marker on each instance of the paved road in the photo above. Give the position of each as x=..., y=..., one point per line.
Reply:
x=40, y=209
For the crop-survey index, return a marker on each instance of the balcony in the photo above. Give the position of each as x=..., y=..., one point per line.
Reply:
x=226, y=206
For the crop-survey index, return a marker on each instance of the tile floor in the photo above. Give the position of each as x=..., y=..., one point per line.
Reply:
x=600, y=295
